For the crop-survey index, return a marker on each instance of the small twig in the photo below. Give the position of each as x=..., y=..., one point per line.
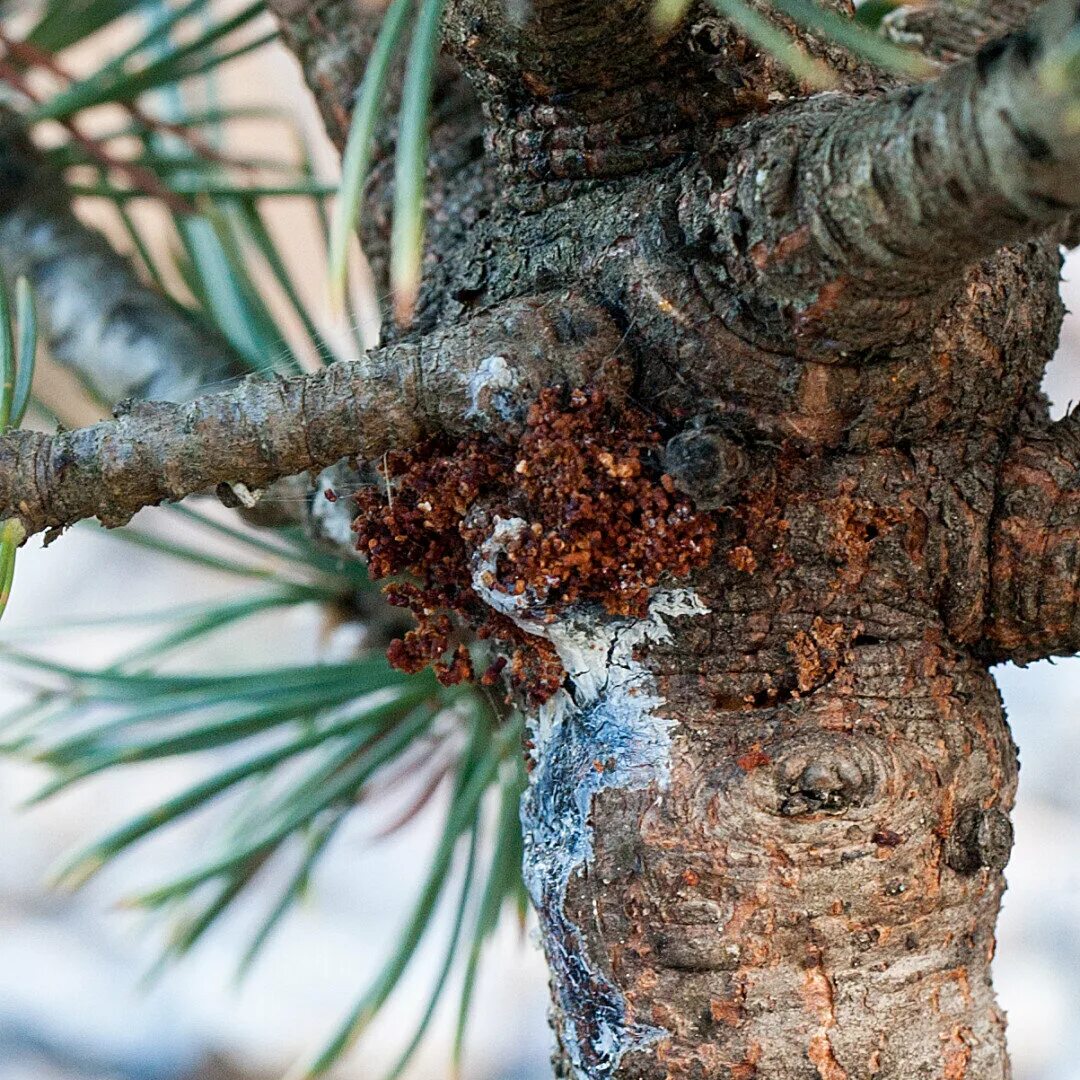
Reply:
x=262, y=430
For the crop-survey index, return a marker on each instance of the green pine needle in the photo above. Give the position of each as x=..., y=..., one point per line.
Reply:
x=356, y=163
x=7, y=361
x=250, y=219
x=410, y=164
x=12, y=534
x=64, y=23
x=778, y=42
x=439, y=989
x=16, y=376
x=26, y=354
x=461, y=818
x=855, y=37
x=315, y=844
x=503, y=879
x=338, y=779
x=667, y=14
x=80, y=867
x=121, y=82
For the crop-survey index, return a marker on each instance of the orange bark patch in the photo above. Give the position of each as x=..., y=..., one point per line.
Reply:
x=821, y=1054
x=782, y=250
x=960, y=977
x=858, y=524
x=828, y=300
x=817, y=995
x=747, y=1068
x=957, y=1055
x=729, y=1011
x=754, y=758
x=818, y=653
x=742, y=558
x=535, y=85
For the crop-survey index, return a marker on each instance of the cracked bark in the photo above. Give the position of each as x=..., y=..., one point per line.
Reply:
x=767, y=824
x=947, y=30
x=1035, y=615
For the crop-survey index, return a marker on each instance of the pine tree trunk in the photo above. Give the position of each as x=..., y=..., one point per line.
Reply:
x=767, y=823
x=766, y=828
x=779, y=853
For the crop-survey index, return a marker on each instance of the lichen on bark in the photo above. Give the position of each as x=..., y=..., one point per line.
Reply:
x=605, y=731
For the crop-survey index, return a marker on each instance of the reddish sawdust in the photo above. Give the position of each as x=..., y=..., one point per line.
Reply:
x=602, y=524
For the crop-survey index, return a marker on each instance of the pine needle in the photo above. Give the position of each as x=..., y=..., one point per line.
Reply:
x=356, y=163
x=667, y=14
x=778, y=42
x=410, y=173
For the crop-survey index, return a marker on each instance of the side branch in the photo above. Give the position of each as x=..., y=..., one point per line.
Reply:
x=832, y=216
x=480, y=376
x=556, y=46
x=1035, y=549
x=119, y=336
x=950, y=29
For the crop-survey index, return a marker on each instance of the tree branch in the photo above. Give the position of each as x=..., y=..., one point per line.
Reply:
x=479, y=376
x=557, y=46
x=1035, y=548
x=99, y=319
x=948, y=30
x=830, y=217
x=588, y=89
x=120, y=336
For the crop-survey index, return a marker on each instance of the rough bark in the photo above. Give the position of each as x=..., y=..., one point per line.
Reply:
x=949, y=29
x=767, y=823
x=480, y=376
x=766, y=827
x=833, y=225
x=790, y=864
x=1034, y=605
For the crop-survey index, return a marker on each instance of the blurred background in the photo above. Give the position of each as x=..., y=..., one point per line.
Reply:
x=74, y=1000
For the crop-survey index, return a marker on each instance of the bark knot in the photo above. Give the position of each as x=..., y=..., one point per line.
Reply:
x=979, y=838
